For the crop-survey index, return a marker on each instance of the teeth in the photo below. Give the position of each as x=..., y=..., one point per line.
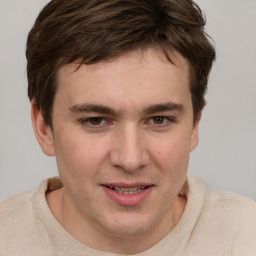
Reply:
x=127, y=191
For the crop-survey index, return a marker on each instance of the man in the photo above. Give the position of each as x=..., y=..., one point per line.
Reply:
x=117, y=89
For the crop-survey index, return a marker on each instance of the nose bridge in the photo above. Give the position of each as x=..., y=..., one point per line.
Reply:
x=129, y=151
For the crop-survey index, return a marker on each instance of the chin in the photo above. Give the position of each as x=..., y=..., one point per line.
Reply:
x=129, y=226
x=129, y=231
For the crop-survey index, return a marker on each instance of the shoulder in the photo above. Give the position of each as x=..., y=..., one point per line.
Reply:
x=15, y=214
x=226, y=220
x=14, y=209
x=20, y=226
x=234, y=219
x=233, y=205
x=222, y=206
x=19, y=200
x=223, y=201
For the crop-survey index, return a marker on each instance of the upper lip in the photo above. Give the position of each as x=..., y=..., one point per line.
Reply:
x=127, y=185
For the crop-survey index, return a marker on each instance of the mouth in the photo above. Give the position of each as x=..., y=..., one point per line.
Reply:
x=127, y=191
x=128, y=194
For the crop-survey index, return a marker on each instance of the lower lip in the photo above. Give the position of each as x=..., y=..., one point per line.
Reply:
x=129, y=199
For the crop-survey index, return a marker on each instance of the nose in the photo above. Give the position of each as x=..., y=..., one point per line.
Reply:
x=129, y=151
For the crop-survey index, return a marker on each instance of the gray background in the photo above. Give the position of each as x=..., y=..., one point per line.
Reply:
x=226, y=156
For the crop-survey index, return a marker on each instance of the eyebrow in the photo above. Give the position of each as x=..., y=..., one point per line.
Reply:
x=170, y=106
x=101, y=109
x=87, y=108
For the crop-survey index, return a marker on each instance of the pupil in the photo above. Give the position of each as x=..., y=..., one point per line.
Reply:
x=158, y=120
x=95, y=120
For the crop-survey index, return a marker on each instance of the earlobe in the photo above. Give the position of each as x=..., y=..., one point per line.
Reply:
x=195, y=135
x=42, y=131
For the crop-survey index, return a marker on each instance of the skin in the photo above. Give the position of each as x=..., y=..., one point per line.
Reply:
x=127, y=144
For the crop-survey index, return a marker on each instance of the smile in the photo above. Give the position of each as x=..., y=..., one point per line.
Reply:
x=128, y=195
x=127, y=191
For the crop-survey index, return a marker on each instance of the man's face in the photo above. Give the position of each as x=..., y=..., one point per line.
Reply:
x=122, y=134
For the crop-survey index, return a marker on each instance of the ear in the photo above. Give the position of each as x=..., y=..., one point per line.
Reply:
x=195, y=135
x=42, y=131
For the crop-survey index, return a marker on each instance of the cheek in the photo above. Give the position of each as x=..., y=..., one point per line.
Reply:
x=171, y=158
x=172, y=150
x=78, y=156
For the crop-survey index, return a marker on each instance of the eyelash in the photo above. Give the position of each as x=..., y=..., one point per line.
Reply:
x=167, y=121
x=87, y=122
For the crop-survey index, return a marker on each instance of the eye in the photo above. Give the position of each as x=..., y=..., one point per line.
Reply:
x=95, y=120
x=161, y=121
x=158, y=119
x=96, y=123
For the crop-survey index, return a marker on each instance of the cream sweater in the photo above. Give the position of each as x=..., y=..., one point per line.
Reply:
x=214, y=223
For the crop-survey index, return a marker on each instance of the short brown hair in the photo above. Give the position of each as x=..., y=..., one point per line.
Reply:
x=98, y=30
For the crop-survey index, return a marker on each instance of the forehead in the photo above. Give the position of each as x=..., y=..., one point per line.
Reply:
x=135, y=59
x=137, y=77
